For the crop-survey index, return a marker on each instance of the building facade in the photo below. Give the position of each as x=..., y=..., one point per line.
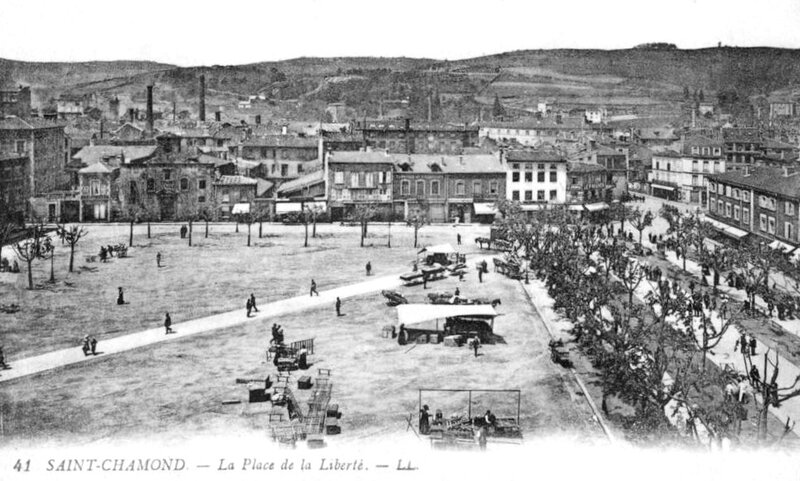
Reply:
x=16, y=102
x=682, y=176
x=14, y=184
x=587, y=184
x=536, y=177
x=404, y=137
x=359, y=178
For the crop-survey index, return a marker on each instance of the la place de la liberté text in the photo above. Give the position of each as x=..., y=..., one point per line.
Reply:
x=180, y=464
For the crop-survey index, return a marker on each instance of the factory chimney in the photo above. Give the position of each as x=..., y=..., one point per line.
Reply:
x=150, y=110
x=202, y=98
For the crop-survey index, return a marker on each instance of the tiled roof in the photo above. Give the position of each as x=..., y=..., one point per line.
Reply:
x=96, y=168
x=343, y=157
x=451, y=164
x=764, y=179
x=281, y=141
x=666, y=133
x=236, y=180
x=581, y=167
x=92, y=154
x=16, y=123
x=307, y=180
x=534, y=156
x=544, y=124
x=777, y=144
x=399, y=124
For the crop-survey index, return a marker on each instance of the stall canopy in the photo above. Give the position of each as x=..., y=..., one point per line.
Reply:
x=596, y=206
x=287, y=207
x=415, y=313
x=575, y=207
x=240, y=209
x=531, y=207
x=664, y=187
x=781, y=245
x=727, y=229
x=439, y=249
x=482, y=208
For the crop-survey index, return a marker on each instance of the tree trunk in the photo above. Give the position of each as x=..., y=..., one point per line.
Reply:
x=130, y=239
x=314, y=229
x=416, y=229
x=71, y=256
x=237, y=227
x=206, y=228
x=30, y=274
x=305, y=243
x=363, y=229
x=640, y=236
x=148, y=229
x=248, y=234
x=190, y=233
x=260, y=228
x=389, y=242
x=52, y=270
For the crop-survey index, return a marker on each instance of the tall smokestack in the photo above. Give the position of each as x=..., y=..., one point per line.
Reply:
x=202, y=98
x=218, y=116
x=149, y=109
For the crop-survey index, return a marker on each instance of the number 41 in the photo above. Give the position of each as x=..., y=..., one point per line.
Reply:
x=19, y=466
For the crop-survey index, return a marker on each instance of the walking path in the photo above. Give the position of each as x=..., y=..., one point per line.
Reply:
x=106, y=347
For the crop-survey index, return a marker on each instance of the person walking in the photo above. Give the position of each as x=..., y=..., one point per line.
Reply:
x=424, y=280
x=458, y=238
x=755, y=376
x=249, y=307
x=743, y=344
x=338, y=307
x=167, y=324
x=369, y=268
x=86, y=345
x=752, y=346
x=120, y=297
x=313, y=288
x=253, y=302
x=158, y=259
x=476, y=344
x=93, y=345
x=424, y=420
x=480, y=275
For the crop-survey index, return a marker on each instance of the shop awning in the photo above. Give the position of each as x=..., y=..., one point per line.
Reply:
x=783, y=246
x=734, y=232
x=415, y=313
x=664, y=187
x=288, y=207
x=575, y=207
x=240, y=209
x=531, y=207
x=439, y=249
x=482, y=208
x=596, y=206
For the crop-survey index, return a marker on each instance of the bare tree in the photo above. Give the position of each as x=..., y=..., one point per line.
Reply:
x=771, y=393
x=640, y=220
x=630, y=275
x=31, y=248
x=363, y=214
x=71, y=235
x=7, y=224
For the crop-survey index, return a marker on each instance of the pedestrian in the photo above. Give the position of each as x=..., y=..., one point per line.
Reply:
x=167, y=324
x=86, y=345
x=249, y=307
x=770, y=308
x=338, y=307
x=461, y=275
x=424, y=280
x=369, y=268
x=743, y=344
x=476, y=344
x=458, y=238
x=158, y=259
x=313, y=288
x=93, y=345
x=482, y=438
x=755, y=376
x=120, y=297
x=752, y=346
x=402, y=335
x=485, y=266
x=3, y=359
x=458, y=292
x=480, y=275
x=424, y=420
x=253, y=302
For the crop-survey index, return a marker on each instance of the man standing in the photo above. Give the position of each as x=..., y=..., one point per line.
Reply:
x=458, y=238
x=158, y=259
x=476, y=344
x=249, y=307
x=86, y=345
x=338, y=307
x=424, y=420
x=120, y=297
x=369, y=268
x=480, y=274
x=752, y=346
x=253, y=302
x=167, y=324
x=93, y=345
x=313, y=288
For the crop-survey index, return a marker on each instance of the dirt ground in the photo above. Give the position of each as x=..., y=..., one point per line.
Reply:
x=175, y=389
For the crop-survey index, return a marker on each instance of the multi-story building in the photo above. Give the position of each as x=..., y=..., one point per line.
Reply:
x=587, y=186
x=403, y=136
x=682, y=176
x=283, y=157
x=742, y=148
x=47, y=150
x=782, y=108
x=775, y=153
x=16, y=102
x=70, y=106
x=14, y=184
x=458, y=188
x=761, y=201
x=545, y=131
x=536, y=177
x=230, y=190
x=355, y=178
x=615, y=161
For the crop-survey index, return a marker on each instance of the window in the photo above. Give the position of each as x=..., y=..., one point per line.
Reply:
x=388, y=176
x=515, y=166
x=771, y=225
x=727, y=209
x=459, y=188
x=746, y=215
x=434, y=187
x=167, y=174
x=284, y=170
x=405, y=187
x=184, y=184
x=746, y=196
x=540, y=195
x=762, y=221
x=354, y=179
x=712, y=206
x=201, y=199
x=736, y=193
x=540, y=176
x=151, y=185
x=553, y=176
x=694, y=166
x=515, y=177
x=540, y=166
x=476, y=188
x=299, y=168
x=528, y=195
x=420, y=188
x=720, y=207
x=338, y=177
x=788, y=208
x=369, y=179
x=528, y=176
x=788, y=230
x=728, y=190
x=553, y=195
x=515, y=195
x=226, y=197
x=493, y=187
x=201, y=184
x=736, y=212
x=19, y=146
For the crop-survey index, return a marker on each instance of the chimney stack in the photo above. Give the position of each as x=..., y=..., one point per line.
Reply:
x=150, y=109
x=218, y=116
x=102, y=129
x=132, y=115
x=258, y=119
x=202, y=98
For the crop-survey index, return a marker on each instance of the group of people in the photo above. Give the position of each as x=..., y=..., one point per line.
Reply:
x=5, y=266
x=483, y=425
x=277, y=334
x=89, y=345
x=251, y=304
x=746, y=345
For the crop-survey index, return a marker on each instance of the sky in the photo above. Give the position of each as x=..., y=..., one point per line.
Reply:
x=228, y=32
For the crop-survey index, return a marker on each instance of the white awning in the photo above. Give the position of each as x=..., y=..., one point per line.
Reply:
x=532, y=207
x=288, y=207
x=664, y=187
x=319, y=205
x=575, y=207
x=728, y=229
x=240, y=209
x=439, y=249
x=781, y=245
x=482, y=208
x=596, y=206
x=415, y=313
